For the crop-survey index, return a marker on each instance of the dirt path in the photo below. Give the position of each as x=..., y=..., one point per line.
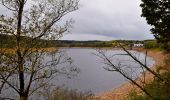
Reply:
x=121, y=92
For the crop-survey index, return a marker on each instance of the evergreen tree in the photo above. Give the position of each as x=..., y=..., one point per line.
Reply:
x=157, y=14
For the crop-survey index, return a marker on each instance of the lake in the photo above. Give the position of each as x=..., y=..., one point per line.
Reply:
x=93, y=77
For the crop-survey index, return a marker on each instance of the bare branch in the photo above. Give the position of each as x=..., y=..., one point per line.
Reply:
x=118, y=69
x=3, y=3
x=6, y=81
x=143, y=65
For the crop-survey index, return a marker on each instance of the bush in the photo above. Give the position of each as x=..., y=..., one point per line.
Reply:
x=66, y=94
x=133, y=95
x=151, y=44
x=159, y=90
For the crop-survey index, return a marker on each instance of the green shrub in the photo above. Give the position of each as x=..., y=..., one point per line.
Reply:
x=66, y=94
x=159, y=90
x=133, y=95
x=151, y=44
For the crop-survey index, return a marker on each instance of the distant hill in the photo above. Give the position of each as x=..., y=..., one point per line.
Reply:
x=7, y=41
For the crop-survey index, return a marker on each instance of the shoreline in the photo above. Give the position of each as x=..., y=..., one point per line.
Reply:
x=122, y=91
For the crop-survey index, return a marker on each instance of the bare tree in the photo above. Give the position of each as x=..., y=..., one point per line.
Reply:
x=128, y=70
x=23, y=70
x=125, y=70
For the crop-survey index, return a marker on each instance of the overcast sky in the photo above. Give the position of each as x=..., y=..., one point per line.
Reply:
x=108, y=20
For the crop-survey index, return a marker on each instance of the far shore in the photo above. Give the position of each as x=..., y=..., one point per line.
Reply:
x=55, y=48
x=51, y=49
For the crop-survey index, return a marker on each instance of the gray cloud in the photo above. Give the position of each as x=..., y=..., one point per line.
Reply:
x=115, y=19
x=106, y=20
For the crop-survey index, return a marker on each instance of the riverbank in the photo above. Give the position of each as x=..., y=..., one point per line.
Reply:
x=121, y=92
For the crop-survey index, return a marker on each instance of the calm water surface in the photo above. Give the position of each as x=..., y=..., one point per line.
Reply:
x=92, y=76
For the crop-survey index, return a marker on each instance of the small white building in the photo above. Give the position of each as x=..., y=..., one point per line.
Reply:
x=138, y=45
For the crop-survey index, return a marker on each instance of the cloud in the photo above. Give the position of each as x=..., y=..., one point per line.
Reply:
x=86, y=36
x=115, y=19
x=106, y=20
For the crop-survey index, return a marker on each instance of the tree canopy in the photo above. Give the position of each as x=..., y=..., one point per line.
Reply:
x=24, y=71
x=157, y=14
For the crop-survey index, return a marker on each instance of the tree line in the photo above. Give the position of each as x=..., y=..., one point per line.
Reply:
x=7, y=41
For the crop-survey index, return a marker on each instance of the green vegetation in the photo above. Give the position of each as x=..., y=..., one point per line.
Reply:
x=7, y=41
x=67, y=43
x=157, y=15
x=23, y=72
x=152, y=44
x=158, y=89
x=66, y=94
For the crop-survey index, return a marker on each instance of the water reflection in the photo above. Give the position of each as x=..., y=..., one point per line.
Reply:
x=80, y=69
x=93, y=77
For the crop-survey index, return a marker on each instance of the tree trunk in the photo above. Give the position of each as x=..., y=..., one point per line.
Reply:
x=23, y=97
